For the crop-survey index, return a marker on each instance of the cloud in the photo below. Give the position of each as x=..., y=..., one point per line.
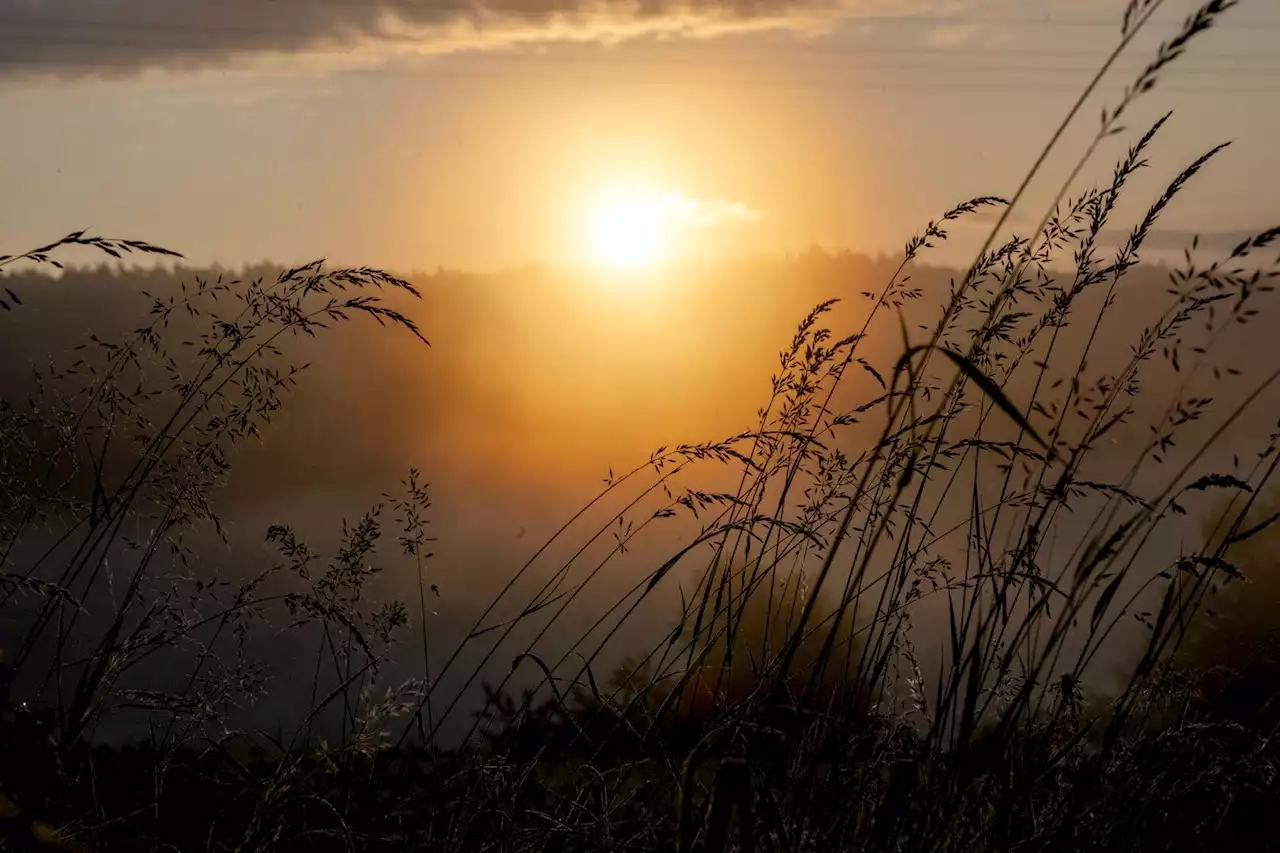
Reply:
x=704, y=213
x=953, y=35
x=638, y=202
x=77, y=37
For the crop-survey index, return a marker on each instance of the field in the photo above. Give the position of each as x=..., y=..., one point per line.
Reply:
x=299, y=558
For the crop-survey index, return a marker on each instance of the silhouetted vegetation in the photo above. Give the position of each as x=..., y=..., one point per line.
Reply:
x=972, y=481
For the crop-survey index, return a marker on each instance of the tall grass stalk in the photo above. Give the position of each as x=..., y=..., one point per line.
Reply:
x=788, y=707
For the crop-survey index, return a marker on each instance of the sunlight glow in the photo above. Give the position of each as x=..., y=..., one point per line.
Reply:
x=631, y=229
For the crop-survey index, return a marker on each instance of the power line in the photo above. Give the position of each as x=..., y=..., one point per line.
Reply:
x=863, y=85
x=438, y=10
x=1268, y=65
x=849, y=57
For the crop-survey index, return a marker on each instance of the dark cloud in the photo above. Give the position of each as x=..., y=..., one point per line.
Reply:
x=118, y=36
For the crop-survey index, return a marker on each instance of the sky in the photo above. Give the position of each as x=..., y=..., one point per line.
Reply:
x=412, y=134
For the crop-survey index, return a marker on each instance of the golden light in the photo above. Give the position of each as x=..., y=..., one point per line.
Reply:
x=630, y=228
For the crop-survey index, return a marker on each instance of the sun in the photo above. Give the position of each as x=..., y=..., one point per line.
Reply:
x=629, y=229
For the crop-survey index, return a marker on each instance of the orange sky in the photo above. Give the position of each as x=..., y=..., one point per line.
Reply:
x=412, y=137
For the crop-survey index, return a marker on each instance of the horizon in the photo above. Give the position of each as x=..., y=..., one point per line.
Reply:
x=1165, y=248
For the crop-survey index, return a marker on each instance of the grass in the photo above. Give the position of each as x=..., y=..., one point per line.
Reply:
x=790, y=708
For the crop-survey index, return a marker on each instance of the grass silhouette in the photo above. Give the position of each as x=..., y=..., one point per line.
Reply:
x=788, y=709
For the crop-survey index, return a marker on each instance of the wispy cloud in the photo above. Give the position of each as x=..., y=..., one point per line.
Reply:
x=704, y=213
x=951, y=35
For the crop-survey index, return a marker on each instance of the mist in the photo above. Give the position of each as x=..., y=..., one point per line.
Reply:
x=537, y=387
